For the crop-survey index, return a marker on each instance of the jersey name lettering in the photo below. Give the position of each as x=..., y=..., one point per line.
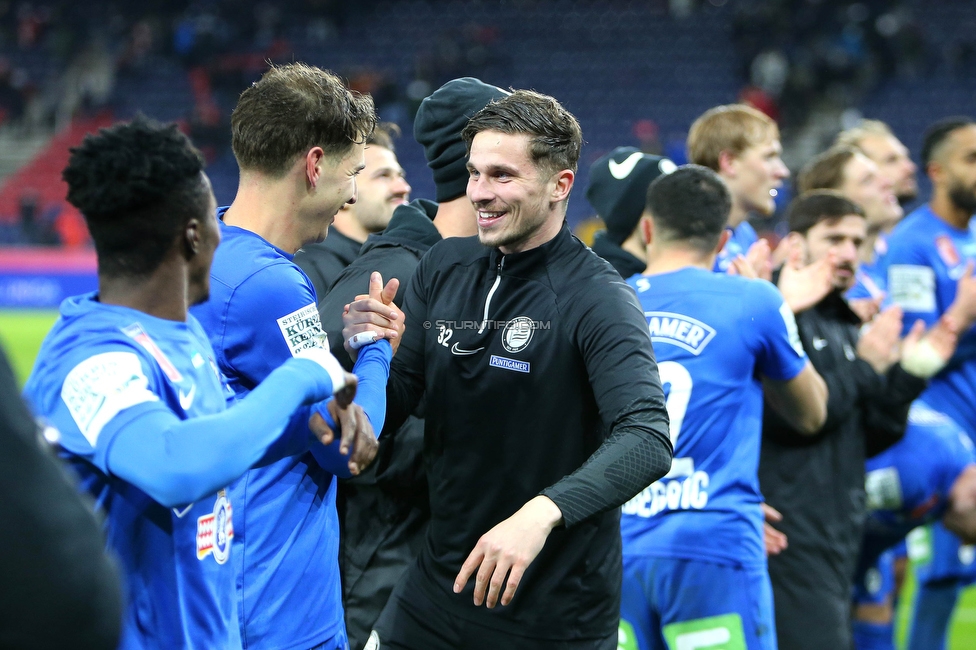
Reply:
x=676, y=329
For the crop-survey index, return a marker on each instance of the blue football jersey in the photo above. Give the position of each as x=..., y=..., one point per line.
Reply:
x=926, y=257
x=908, y=484
x=713, y=336
x=100, y=369
x=262, y=312
x=870, y=281
x=743, y=236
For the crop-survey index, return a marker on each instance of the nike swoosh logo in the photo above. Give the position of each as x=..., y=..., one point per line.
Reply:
x=464, y=353
x=622, y=170
x=182, y=513
x=186, y=401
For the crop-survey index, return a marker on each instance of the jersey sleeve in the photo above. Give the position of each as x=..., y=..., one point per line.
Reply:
x=913, y=283
x=270, y=318
x=101, y=394
x=780, y=352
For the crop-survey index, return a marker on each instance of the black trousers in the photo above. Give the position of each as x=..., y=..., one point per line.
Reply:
x=812, y=599
x=414, y=622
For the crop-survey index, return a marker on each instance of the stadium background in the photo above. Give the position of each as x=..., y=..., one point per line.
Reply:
x=634, y=73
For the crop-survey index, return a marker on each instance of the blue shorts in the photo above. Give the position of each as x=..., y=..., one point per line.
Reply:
x=668, y=603
x=940, y=556
x=876, y=586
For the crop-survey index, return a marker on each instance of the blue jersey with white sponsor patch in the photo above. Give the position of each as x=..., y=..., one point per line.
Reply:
x=100, y=369
x=908, y=484
x=713, y=336
x=870, y=281
x=743, y=236
x=261, y=312
x=926, y=257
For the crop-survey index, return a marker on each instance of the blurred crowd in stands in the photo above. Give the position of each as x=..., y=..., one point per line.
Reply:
x=60, y=60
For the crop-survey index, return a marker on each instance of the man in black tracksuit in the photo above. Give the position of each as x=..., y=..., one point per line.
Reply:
x=817, y=482
x=544, y=407
x=383, y=512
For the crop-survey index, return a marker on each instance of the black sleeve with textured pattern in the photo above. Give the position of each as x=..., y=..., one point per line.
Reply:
x=634, y=456
x=611, y=334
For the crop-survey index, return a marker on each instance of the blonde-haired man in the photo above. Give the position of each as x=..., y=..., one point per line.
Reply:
x=742, y=146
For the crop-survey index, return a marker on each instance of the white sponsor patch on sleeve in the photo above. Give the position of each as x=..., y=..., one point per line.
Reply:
x=100, y=387
x=912, y=287
x=883, y=488
x=302, y=329
x=791, y=331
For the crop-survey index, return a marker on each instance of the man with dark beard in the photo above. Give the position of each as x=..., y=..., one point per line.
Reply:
x=817, y=481
x=929, y=253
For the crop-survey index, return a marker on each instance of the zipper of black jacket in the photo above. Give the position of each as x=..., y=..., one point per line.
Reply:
x=491, y=292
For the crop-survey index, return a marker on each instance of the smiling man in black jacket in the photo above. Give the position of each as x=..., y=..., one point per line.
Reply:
x=544, y=406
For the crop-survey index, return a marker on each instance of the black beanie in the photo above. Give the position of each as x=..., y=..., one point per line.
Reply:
x=618, y=188
x=438, y=125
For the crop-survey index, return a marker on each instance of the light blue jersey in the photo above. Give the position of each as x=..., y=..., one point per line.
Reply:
x=104, y=368
x=926, y=257
x=743, y=236
x=262, y=312
x=713, y=336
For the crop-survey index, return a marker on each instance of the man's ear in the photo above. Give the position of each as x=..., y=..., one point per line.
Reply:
x=726, y=163
x=564, y=184
x=192, y=232
x=314, y=160
x=796, y=250
x=723, y=239
x=646, y=227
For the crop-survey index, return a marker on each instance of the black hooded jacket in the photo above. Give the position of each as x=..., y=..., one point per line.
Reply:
x=622, y=261
x=383, y=512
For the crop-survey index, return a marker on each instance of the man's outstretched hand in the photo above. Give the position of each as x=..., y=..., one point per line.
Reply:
x=507, y=550
x=357, y=439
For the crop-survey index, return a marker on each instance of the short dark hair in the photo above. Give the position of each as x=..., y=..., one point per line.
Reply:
x=807, y=210
x=556, y=135
x=938, y=133
x=293, y=108
x=826, y=170
x=137, y=184
x=383, y=135
x=690, y=205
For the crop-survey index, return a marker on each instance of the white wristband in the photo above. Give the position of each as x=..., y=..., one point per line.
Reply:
x=325, y=359
x=357, y=341
x=923, y=361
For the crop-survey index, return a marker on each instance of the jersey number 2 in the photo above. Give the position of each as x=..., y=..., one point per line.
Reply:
x=678, y=383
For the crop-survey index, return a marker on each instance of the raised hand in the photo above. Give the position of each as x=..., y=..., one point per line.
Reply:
x=805, y=286
x=375, y=313
x=880, y=342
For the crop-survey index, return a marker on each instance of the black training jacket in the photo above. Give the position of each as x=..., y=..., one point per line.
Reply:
x=324, y=261
x=817, y=482
x=539, y=378
x=622, y=261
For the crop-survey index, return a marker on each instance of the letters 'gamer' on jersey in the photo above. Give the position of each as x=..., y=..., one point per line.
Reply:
x=261, y=313
x=908, y=484
x=101, y=369
x=712, y=334
x=926, y=257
